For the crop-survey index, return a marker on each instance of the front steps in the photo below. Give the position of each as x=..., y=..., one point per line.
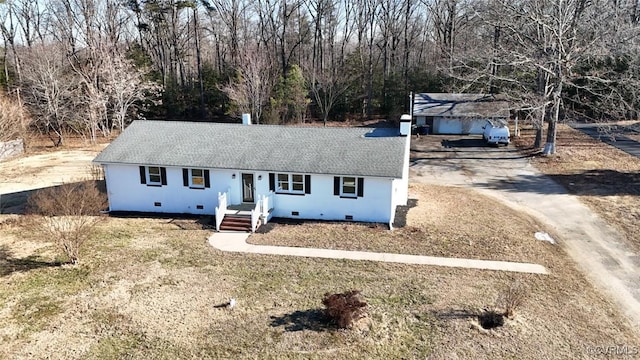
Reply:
x=236, y=223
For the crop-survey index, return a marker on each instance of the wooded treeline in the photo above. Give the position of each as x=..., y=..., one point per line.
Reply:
x=90, y=66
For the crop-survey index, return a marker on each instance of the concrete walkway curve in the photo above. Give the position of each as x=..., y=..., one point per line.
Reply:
x=237, y=242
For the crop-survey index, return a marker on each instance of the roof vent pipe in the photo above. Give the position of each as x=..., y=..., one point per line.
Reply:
x=405, y=125
x=246, y=119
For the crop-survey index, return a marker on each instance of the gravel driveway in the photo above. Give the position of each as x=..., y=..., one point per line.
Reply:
x=507, y=175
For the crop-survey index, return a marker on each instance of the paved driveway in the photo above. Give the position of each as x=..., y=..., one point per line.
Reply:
x=505, y=174
x=614, y=135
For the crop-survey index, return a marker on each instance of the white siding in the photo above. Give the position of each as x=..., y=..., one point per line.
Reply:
x=126, y=193
x=401, y=186
x=321, y=204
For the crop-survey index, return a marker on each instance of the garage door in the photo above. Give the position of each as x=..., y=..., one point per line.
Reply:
x=447, y=126
x=458, y=126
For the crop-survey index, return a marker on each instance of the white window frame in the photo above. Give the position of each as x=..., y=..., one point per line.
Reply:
x=149, y=175
x=192, y=184
x=283, y=180
x=289, y=182
x=294, y=183
x=355, y=187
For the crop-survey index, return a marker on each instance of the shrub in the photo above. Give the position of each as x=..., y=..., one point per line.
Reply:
x=68, y=214
x=345, y=308
x=96, y=172
x=512, y=298
x=76, y=199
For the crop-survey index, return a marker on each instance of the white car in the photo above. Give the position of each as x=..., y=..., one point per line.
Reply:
x=496, y=134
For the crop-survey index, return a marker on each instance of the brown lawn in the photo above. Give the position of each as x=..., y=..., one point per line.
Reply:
x=605, y=178
x=149, y=288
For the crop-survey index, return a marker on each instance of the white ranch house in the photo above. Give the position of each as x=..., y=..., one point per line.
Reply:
x=246, y=174
x=460, y=114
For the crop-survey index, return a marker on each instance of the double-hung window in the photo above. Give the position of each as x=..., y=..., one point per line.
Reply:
x=348, y=186
x=153, y=175
x=296, y=184
x=196, y=178
x=283, y=183
x=290, y=183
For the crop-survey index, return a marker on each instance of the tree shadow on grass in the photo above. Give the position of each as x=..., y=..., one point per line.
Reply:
x=312, y=319
x=400, y=219
x=603, y=182
x=10, y=264
x=16, y=202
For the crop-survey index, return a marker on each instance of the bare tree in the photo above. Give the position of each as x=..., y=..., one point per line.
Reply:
x=365, y=22
x=49, y=91
x=251, y=88
x=544, y=52
x=233, y=17
x=287, y=28
x=127, y=87
x=326, y=88
x=449, y=19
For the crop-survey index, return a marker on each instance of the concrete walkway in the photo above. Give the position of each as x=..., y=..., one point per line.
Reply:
x=237, y=242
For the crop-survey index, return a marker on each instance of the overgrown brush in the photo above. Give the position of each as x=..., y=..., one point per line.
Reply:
x=512, y=298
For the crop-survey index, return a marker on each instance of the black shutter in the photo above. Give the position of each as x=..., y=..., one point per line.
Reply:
x=143, y=176
x=272, y=182
x=163, y=175
x=360, y=187
x=307, y=184
x=185, y=177
x=336, y=185
x=207, y=181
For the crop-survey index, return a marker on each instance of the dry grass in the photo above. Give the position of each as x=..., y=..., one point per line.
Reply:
x=68, y=214
x=42, y=144
x=148, y=289
x=604, y=177
x=447, y=221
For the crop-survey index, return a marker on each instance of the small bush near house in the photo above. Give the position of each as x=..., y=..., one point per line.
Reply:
x=345, y=308
x=96, y=172
x=512, y=298
x=68, y=214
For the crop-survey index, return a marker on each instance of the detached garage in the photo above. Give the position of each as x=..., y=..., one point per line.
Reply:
x=458, y=113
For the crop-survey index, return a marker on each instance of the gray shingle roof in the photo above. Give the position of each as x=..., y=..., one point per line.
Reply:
x=460, y=105
x=338, y=151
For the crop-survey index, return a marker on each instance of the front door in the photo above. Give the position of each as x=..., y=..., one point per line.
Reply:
x=247, y=188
